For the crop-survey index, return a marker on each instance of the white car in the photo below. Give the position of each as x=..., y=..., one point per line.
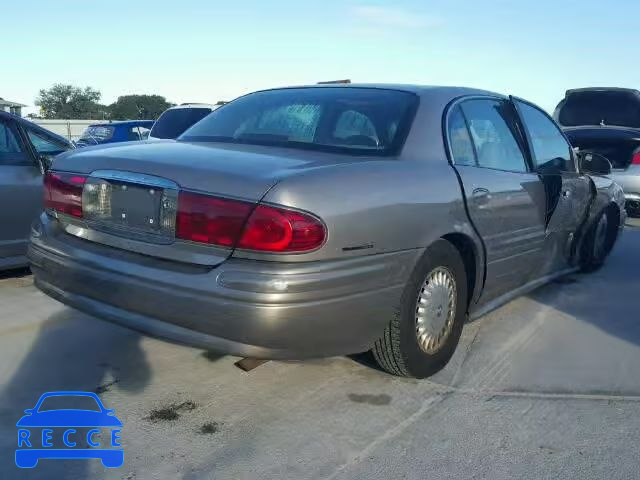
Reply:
x=175, y=120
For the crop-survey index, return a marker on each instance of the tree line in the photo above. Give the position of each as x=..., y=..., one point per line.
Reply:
x=67, y=101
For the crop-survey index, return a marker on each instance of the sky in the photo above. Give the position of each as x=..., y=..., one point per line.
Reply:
x=210, y=50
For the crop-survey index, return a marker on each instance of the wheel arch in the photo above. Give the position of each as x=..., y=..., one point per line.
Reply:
x=472, y=260
x=613, y=209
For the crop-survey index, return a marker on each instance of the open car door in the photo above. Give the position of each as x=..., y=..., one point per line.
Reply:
x=568, y=193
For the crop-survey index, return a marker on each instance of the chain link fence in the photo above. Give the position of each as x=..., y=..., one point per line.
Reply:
x=70, y=129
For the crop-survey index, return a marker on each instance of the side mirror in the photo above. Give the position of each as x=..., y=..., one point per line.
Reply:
x=591, y=162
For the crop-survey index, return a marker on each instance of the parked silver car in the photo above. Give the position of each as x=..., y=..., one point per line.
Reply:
x=607, y=121
x=24, y=149
x=326, y=220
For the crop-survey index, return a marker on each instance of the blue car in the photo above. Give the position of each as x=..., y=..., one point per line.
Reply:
x=36, y=434
x=113, y=132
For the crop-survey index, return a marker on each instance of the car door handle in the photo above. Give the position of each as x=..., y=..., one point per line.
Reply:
x=481, y=196
x=566, y=193
x=481, y=193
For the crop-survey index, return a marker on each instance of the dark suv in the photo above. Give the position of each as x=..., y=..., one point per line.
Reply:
x=607, y=121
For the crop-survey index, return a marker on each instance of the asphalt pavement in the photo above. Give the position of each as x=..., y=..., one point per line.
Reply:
x=547, y=386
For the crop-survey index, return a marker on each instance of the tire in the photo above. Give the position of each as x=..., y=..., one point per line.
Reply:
x=399, y=350
x=598, y=242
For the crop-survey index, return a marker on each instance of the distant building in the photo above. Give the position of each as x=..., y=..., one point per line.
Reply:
x=11, y=107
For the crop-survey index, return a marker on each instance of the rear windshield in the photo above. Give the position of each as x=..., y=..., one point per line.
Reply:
x=349, y=120
x=600, y=108
x=98, y=133
x=174, y=122
x=67, y=402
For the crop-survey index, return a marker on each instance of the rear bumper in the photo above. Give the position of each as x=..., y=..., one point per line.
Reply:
x=629, y=180
x=241, y=307
x=632, y=204
x=28, y=458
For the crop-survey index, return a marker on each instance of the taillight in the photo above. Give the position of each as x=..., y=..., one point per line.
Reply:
x=224, y=222
x=635, y=160
x=272, y=229
x=63, y=192
x=207, y=219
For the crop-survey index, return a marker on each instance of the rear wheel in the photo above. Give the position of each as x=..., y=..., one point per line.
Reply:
x=426, y=327
x=598, y=242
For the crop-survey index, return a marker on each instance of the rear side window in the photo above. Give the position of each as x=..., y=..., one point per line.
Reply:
x=368, y=121
x=172, y=123
x=46, y=145
x=459, y=139
x=492, y=131
x=550, y=149
x=600, y=108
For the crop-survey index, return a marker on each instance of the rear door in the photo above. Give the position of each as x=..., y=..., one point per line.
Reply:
x=568, y=193
x=505, y=199
x=20, y=193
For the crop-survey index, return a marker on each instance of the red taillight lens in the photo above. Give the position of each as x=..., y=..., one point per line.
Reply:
x=221, y=221
x=279, y=230
x=635, y=160
x=206, y=219
x=63, y=192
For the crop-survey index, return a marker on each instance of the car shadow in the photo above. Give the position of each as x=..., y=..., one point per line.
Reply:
x=609, y=298
x=71, y=351
x=14, y=273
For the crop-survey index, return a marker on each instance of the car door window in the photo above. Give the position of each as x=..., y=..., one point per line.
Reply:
x=144, y=132
x=551, y=151
x=11, y=152
x=133, y=134
x=492, y=131
x=459, y=139
x=44, y=144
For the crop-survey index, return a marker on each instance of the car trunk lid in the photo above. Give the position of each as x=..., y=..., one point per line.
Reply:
x=617, y=144
x=130, y=193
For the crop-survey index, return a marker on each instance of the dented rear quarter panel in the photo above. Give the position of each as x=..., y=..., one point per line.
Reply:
x=607, y=192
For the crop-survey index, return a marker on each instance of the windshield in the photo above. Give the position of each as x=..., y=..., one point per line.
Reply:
x=600, y=108
x=175, y=121
x=66, y=402
x=351, y=120
x=97, y=133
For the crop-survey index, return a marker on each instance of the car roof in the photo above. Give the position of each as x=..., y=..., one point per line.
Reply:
x=420, y=90
x=122, y=123
x=601, y=89
x=34, y=126
x=194, y=105
x=69, y=393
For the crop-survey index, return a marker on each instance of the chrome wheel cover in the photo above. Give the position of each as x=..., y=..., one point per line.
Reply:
x=436, y=309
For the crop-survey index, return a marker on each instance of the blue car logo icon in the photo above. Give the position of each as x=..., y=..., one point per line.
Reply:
x=73, y=426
